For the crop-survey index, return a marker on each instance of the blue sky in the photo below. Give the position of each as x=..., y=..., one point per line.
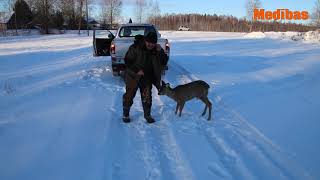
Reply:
x=226, y=7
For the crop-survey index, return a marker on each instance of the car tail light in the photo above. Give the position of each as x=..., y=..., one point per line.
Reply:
x=167, y=50
x=113, y=49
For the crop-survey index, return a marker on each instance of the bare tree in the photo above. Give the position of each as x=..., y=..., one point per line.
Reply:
x=3, y=28
x=68, y=9
x=32, y=4
x=42, y=10
x=140, y=10
x=316, y=14
x=7, y=7
x=251, y=5
x=87, y=17
x=154, y=11
x=80, y=14
x=111, y=10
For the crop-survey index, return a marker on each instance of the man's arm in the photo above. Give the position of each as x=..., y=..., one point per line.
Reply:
x=162, y=55
x=130, y=57
x=131, y=60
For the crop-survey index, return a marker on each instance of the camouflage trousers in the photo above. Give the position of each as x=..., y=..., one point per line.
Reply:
x=132, y=85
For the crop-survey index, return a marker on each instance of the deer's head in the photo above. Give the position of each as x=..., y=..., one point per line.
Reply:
x=164, y=88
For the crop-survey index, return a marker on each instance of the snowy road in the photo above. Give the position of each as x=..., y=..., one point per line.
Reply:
x=60, y=112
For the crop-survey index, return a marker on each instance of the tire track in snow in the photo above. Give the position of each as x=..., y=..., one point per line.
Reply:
x=148, y=154
x=173, y=156
x=240, y=146
x=161, y=154
x=226, y=155
x=116, y=137
x=127, y=145
x=48, y=67
x=257, y=152
x=269, y=158
x=47, y=83
x=118, y=146
x=65, y=77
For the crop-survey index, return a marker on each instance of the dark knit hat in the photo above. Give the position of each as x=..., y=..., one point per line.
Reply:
x=151, y=37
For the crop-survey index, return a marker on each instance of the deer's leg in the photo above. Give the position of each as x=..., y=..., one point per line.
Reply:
x=181, y=108
x=209, y=104
x=177, y=108
x=205, y=108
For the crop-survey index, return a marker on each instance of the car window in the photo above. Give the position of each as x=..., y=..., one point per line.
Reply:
x=131, y=31
x=102, y=34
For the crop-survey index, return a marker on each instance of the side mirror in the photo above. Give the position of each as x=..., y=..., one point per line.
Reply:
x=159, y=35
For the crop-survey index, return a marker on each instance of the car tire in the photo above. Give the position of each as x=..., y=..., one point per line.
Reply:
x=115, y=70
x=116, y=73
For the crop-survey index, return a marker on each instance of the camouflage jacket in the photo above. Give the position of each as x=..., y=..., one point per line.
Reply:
x=137, y=55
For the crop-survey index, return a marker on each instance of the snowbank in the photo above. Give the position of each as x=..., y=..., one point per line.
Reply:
x=309, y=37
x=312, y=36
x=193, y=36
x=255, y=35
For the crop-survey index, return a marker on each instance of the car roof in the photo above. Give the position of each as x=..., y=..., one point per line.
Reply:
x=136, y=24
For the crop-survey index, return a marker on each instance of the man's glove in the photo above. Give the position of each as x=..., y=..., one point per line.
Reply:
x=158, y=47
x=133, y=75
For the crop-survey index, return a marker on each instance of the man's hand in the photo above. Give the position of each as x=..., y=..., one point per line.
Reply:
x=158, y=47
x=140, y=73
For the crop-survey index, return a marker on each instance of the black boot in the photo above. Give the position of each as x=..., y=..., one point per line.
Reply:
x=149, y=119
x=126, y=117
x=147, y=115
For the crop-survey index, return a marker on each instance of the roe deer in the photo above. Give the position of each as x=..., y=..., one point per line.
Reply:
x=182, y=93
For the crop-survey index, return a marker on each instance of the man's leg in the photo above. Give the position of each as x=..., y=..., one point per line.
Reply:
x=146, y=99
x=128, y=96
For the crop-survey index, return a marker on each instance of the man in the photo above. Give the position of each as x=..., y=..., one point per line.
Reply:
x=145, y=61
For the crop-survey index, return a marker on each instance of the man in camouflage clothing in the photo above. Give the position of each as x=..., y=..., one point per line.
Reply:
x=145, y=61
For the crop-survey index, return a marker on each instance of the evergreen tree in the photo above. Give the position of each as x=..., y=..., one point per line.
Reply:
x=22, y=15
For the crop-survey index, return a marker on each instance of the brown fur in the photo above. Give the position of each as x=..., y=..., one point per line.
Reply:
x=183, y=93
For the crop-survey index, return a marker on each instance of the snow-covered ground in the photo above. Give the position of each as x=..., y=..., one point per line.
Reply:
x=306, y=37
x=60, y=111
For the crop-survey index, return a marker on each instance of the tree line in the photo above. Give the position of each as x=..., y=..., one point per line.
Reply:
x=59, y=14
x=73, y=14
x=207, y=22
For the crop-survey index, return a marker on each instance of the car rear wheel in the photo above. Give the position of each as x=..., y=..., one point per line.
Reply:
x=115, y=70
x=116, y=73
